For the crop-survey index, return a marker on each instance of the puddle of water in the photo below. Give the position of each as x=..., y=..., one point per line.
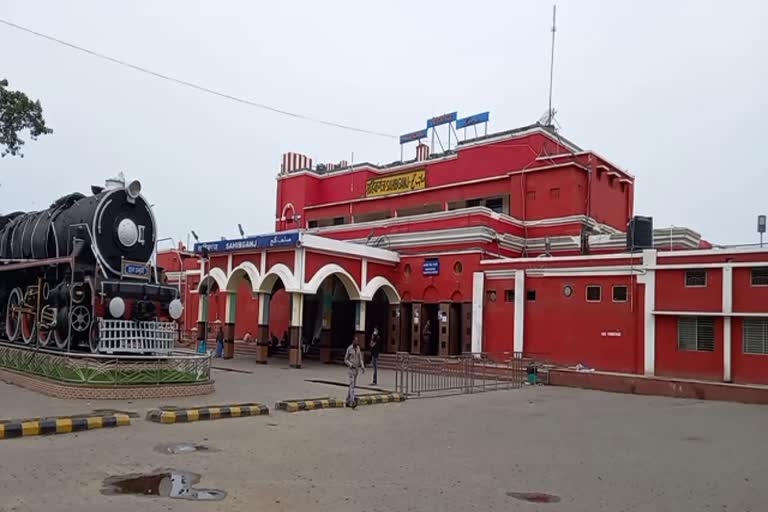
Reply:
x=176, y=448
x=534, y=497
x=166, y=484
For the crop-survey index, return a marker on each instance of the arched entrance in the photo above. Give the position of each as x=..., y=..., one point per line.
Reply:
x=210, y=313
x=383, y=311
x=240, y=303
x=281, y=306
x=333, y=313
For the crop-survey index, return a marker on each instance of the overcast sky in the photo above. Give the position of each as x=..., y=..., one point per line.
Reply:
x=674, y=92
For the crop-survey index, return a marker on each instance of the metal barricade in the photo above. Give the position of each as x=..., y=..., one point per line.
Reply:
x=467, y=373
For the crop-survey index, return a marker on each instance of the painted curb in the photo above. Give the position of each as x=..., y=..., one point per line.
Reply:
x=309, y=405
x=60, y=425
x=210, y=412
x=332, y=403
x=383, y=398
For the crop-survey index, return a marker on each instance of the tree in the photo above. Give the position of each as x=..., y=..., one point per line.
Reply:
x=18, y=113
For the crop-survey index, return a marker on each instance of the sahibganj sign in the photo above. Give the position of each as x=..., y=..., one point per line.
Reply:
x=253, y=242
x=396, y=183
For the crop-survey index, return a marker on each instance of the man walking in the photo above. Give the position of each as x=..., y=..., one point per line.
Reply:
x=354, y=361
x=375, y=351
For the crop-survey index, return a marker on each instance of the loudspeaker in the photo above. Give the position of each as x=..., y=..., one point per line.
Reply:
x=640, y=233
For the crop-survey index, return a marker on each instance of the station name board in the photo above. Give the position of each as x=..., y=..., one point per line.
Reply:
x=253, y=242
x=396, y=183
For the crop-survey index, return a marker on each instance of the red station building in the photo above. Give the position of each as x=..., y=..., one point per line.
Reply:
x=511, y=241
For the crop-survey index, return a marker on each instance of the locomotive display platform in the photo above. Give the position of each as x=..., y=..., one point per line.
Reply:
x=98, y=376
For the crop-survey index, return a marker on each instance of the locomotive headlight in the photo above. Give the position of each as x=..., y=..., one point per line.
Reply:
x=133, y=189
x=175, y=309
x=127, y=232
x=117, y=307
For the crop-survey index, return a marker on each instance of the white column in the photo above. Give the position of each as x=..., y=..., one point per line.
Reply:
x=298, y=266
x=229, y=265
x=364, y=273
x=478, y=281
x=263, y=263
x=519, y=344
x=649, y=323
x=727, y=310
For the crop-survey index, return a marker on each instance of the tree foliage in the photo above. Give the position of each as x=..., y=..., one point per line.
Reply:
x=17, y=114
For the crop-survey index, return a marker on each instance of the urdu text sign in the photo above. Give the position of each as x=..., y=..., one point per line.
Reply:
x=397, y=183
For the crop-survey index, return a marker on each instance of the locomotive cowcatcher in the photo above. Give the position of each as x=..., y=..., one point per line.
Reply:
x=79, y=275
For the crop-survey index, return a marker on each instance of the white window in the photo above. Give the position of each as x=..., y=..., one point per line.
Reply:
x=619, y=293
x=594, y=293
x=696, y=333
x=755, y=336
x=695, y=278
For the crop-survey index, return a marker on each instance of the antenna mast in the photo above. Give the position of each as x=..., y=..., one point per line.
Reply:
x=550, y=114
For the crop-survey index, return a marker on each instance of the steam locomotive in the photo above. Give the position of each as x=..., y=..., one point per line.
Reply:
x=79, y=276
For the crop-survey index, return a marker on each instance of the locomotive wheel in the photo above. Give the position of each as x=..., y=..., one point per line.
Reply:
x=61, y=331
x=47, y=318
x=28, y=327
x=93, y=339
x=13, y=314
x=80, y=318
x=61, y=336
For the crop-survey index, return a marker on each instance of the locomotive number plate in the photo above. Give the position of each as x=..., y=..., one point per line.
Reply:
x=135, y=270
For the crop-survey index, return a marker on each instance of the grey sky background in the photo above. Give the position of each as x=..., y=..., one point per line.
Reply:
x=674, y=92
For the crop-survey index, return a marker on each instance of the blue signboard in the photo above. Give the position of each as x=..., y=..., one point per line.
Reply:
x=410, y=137
x=135, y=270
x=443, y=119
x=287, y=238
x=430, y=267
x=472, y=120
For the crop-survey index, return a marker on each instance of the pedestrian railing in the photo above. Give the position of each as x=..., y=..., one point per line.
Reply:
x=467, y=373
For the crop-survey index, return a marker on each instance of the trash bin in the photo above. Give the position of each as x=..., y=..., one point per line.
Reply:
x=533, y=373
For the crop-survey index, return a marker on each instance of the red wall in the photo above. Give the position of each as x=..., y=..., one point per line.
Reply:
x=686, y=363
x=284, y=257
x=748, y=298
x=446, y=284
x=315, y=261
x=673, y=295
x=746, y=368
x=568, y=330
x=498, y=317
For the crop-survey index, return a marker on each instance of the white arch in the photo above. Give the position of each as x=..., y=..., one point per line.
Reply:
x=333, y=269
x=285, y=210
x=282, y=272
x=217, y=276
x=245, y=268
x=385, y=285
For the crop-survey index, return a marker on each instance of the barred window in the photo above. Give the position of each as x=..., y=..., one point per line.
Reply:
x=696, y=333
x=755, y=336
x=695, y=278
x=760, y=276
x=594, y=293
x=509, y=295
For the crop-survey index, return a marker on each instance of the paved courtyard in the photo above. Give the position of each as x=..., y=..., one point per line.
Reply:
x=594, y=451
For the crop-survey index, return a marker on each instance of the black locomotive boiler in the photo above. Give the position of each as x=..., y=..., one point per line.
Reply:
x=79, y=275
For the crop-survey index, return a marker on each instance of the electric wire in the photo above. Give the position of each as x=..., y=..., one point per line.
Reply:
x=196, y=86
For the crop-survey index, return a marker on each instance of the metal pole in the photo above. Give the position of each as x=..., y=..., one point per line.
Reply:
x=552, y=65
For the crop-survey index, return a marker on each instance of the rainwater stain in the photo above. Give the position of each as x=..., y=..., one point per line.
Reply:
x=534, y=497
